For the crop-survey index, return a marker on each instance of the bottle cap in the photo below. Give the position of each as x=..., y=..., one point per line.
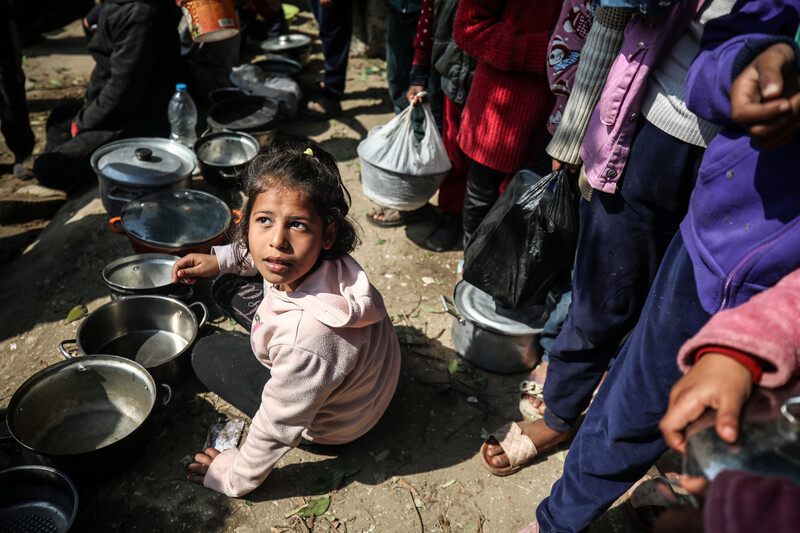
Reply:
x=180, y=87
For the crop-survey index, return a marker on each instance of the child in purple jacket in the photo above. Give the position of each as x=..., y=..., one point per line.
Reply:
x=742, y=235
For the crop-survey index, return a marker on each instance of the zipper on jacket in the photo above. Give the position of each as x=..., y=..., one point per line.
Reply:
x=727, y=286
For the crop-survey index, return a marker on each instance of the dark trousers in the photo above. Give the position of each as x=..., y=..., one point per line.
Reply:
x=225, y=364
x=621, y=244
x=335, y=31
x=401, y=28
x=65, y=163
x=14, y=121
x=483, y=190
x=620, y=440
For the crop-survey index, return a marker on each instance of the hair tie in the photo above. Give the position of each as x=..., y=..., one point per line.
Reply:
x=309, y=151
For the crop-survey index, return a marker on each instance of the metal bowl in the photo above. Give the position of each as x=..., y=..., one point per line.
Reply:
x=37, y=498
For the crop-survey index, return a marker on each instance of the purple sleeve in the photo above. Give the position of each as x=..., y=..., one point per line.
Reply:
x=743, y=502
x=730, y=43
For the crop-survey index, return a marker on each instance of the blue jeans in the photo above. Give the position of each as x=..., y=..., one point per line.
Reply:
x=620, y=440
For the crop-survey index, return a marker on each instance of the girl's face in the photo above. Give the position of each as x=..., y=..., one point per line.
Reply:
x=286, y=237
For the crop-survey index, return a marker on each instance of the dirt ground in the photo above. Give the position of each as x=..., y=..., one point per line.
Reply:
x=416, y=471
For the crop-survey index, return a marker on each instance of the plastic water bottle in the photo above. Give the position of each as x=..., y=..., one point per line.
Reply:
x=182, y=115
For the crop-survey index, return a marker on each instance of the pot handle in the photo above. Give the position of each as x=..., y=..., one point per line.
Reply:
x=113, y=225
x=449, y=307
x=238, y=214
x=167, y=393
x=202, y=321
x=114, y=191
x=66, y=353
x=230, y=176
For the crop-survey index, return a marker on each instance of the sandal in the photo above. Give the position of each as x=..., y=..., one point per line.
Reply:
x=394, y=217
x=530, y=387
x=649, y=497
x=323, y=108
x=519, y=449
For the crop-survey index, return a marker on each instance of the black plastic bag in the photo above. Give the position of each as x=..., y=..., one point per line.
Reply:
x=527, y=241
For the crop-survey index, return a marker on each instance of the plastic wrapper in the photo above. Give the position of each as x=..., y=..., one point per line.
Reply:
x=397, y=170
x=279, y=87
x=527, y=241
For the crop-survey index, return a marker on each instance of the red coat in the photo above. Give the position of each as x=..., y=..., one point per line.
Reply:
x=503, y=125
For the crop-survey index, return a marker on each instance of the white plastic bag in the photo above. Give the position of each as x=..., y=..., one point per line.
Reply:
x=279, y=87
x=397, y=171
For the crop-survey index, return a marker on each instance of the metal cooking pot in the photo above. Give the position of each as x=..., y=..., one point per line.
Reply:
x=256, y=115
x=37, y=498
x=223, y=154
x=221, y=93
x=157, y=332
x=129, y=168
x=175, y=222
x=492, y=337
x=144, y=274
x=294, y=46
x=87, y=416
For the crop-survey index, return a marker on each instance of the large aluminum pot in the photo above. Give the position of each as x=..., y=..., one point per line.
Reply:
x=37, y=498
x=176, y=222
x=157, y=332
x=129, y=168
x=86, y=416
x=492, y=337
x=294, y=46
x=256, y=115
x=223, y=154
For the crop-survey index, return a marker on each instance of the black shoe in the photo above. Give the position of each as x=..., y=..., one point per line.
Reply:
x=446, y=235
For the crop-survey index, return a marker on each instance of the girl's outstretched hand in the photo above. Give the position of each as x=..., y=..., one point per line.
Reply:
x=715, y=382
x=187, y=269
x=200, y=466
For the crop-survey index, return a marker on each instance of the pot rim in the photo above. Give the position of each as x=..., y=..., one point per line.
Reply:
x=198, y=144
x=519, y=332
x=60, y=366
x=69, y=485
x=121, y=302
x=136, y=258
x=173, y=245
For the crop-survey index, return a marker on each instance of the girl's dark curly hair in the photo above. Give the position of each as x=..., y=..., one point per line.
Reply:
x=287, y=165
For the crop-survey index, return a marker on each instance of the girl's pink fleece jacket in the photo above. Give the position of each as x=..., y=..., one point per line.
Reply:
x=335, y=361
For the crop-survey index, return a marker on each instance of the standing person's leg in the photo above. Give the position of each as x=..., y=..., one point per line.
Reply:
x=225, y=364
x=401, y=28
x=335, y=22
x=14, y=120
x=620, y=439
x=483, y=190
x=621, y=245
x=454, y=186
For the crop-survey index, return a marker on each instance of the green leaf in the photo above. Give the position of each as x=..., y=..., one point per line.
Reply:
x=315, y=507
x=61, y=70
x=453, y=367
x=381, y=241
x=427, y=254
x=429, y=309
x=54, y=82
x=76, y=313
x=248, y=503
x=447, y=484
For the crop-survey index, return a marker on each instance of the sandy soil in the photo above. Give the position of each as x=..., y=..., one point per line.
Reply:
x=416, y=471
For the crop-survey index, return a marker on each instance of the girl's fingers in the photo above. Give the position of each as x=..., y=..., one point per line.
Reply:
x=197, y=468
x=196, y=479
x=203, y=459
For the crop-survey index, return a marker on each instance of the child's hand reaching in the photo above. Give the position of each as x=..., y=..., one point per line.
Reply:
x=716, y=381
x=187, y=269
x=200, y=466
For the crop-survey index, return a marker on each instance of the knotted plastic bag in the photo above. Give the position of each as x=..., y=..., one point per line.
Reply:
x=397, y=170
x=527, y=240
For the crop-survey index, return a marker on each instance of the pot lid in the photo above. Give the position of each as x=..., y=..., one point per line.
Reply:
x=226, y=148
x=143, y=161
x=142, y=271
x=289, y=41
x=486, y=311
x=243, y=113
x=175, y=218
